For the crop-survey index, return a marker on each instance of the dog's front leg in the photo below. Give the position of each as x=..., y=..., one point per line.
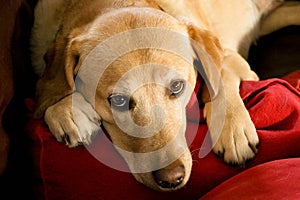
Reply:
x=73, y=120
x=232, y=130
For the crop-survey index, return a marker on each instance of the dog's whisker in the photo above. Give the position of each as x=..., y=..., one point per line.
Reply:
x=195, y=151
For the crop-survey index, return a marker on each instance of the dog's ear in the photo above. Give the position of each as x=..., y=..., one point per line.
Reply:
x=57, y=80
x=208, y=59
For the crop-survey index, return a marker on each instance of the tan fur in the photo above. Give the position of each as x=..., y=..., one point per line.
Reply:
x=217, y=33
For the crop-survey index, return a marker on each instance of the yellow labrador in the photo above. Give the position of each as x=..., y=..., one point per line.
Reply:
x=132, y=65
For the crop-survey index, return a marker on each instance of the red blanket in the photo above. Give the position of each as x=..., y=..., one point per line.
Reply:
x=274, y=106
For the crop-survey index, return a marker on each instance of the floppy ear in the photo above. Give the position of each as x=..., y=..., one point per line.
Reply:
x=57, y=81
x=208, y=60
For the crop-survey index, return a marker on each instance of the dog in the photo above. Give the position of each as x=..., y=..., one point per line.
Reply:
x=131, y=66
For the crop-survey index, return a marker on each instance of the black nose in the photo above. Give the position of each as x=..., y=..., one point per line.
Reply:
x=169, y=178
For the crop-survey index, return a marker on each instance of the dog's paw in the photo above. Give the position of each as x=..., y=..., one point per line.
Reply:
x=73, y=120
x=236, y=140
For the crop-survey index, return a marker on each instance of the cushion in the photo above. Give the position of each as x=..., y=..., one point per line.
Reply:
x=98, y=172
x=278, y=179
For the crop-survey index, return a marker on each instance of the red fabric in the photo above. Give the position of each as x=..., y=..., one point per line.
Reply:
x=278, y=179
x=64, y=173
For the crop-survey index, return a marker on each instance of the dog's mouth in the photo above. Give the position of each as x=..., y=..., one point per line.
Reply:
x=166, y=169
x=163, y=168
x=153, y=170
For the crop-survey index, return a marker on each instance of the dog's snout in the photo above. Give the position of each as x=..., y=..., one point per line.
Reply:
x=169, y=178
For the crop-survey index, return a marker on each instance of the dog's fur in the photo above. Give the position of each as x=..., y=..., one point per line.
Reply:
x=220, y=32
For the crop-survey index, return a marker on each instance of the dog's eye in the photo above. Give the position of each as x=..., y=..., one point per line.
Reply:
x=176, y=87
x=119, y=102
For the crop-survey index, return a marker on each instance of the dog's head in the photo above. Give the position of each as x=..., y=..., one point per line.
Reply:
x=136, y=67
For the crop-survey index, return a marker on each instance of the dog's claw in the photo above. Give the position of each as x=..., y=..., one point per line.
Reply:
x=254, y=148
x=220, y=154
x=66, y=139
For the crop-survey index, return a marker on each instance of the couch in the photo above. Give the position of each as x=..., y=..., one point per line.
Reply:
x=38, y=167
